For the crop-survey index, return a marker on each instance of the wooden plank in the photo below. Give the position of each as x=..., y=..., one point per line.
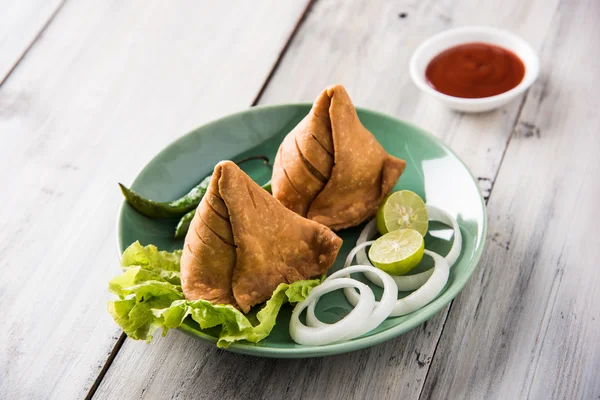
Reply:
x=367, y=49
x=108, y=85
x=21, y=21
x=527, y=325
x=181, y=367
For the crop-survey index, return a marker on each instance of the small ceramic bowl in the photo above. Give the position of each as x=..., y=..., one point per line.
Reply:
x=454, y=37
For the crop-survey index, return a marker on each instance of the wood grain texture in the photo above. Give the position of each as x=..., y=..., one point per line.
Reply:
x=367, y=49
x=21, y=21
x=108, y=85
x=181, y=367
x=528, y=323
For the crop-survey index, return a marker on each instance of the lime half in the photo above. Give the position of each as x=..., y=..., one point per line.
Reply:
x=402, y=210
x=398, y=252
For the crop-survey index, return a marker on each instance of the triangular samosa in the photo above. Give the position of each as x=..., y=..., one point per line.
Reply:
x=242, y=243
x=330, y=168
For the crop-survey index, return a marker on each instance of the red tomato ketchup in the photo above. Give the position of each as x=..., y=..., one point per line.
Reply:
x=475, y=70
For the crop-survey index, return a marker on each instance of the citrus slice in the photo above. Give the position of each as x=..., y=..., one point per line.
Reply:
x=398, y=252
x=402, y=210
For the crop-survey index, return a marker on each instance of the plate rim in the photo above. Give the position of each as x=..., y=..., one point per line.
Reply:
x=348, y=345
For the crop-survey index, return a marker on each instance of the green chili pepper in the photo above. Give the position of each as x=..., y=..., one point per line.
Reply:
x=175, y=208
x=169, y=209
x=184, y=223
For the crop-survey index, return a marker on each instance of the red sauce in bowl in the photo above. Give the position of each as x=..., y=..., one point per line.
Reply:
x=475, y=70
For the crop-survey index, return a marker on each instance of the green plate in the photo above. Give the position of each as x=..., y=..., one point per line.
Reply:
x=432, y=170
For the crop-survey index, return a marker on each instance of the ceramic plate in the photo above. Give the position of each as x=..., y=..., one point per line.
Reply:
x=432, y=170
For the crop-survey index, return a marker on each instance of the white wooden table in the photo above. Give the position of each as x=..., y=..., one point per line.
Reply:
x=91, y=90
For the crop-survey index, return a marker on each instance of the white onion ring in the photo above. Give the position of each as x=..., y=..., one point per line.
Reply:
x=368, y=232
x=437, y=214
x=383, y=308
x=354, y=253
x=341, y=330
x=408, y=283
x=311, y=318
x=429, y=291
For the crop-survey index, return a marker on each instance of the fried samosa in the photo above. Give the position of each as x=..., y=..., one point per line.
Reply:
x=330, y=168
x=242, y=243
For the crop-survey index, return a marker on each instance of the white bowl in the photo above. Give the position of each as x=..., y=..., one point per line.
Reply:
x=453, y=37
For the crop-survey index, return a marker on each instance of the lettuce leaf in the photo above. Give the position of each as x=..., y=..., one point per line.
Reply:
x=150, y=297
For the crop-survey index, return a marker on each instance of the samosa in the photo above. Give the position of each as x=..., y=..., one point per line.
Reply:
x=242, y=243
x=330, y=168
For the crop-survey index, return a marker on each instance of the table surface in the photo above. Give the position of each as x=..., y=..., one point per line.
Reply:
x=91, y=90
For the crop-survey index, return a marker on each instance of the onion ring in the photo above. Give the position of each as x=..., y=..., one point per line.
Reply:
x=429, y=291
x=341, y=330
x=368, y=232
x=437, y=214
x=420, y=297
x=382, y=310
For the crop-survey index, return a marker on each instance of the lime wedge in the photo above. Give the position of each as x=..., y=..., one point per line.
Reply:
x=402, y=210
x=398, y=252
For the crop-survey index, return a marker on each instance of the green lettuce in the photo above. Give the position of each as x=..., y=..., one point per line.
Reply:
x=150, y=297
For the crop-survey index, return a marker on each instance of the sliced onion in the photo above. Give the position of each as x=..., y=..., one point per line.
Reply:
x=437, y=214
x=382, y=309
x=344, y=329
x=408, y=283
x=368, y=232
x=429, y=291
x=354, y=253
